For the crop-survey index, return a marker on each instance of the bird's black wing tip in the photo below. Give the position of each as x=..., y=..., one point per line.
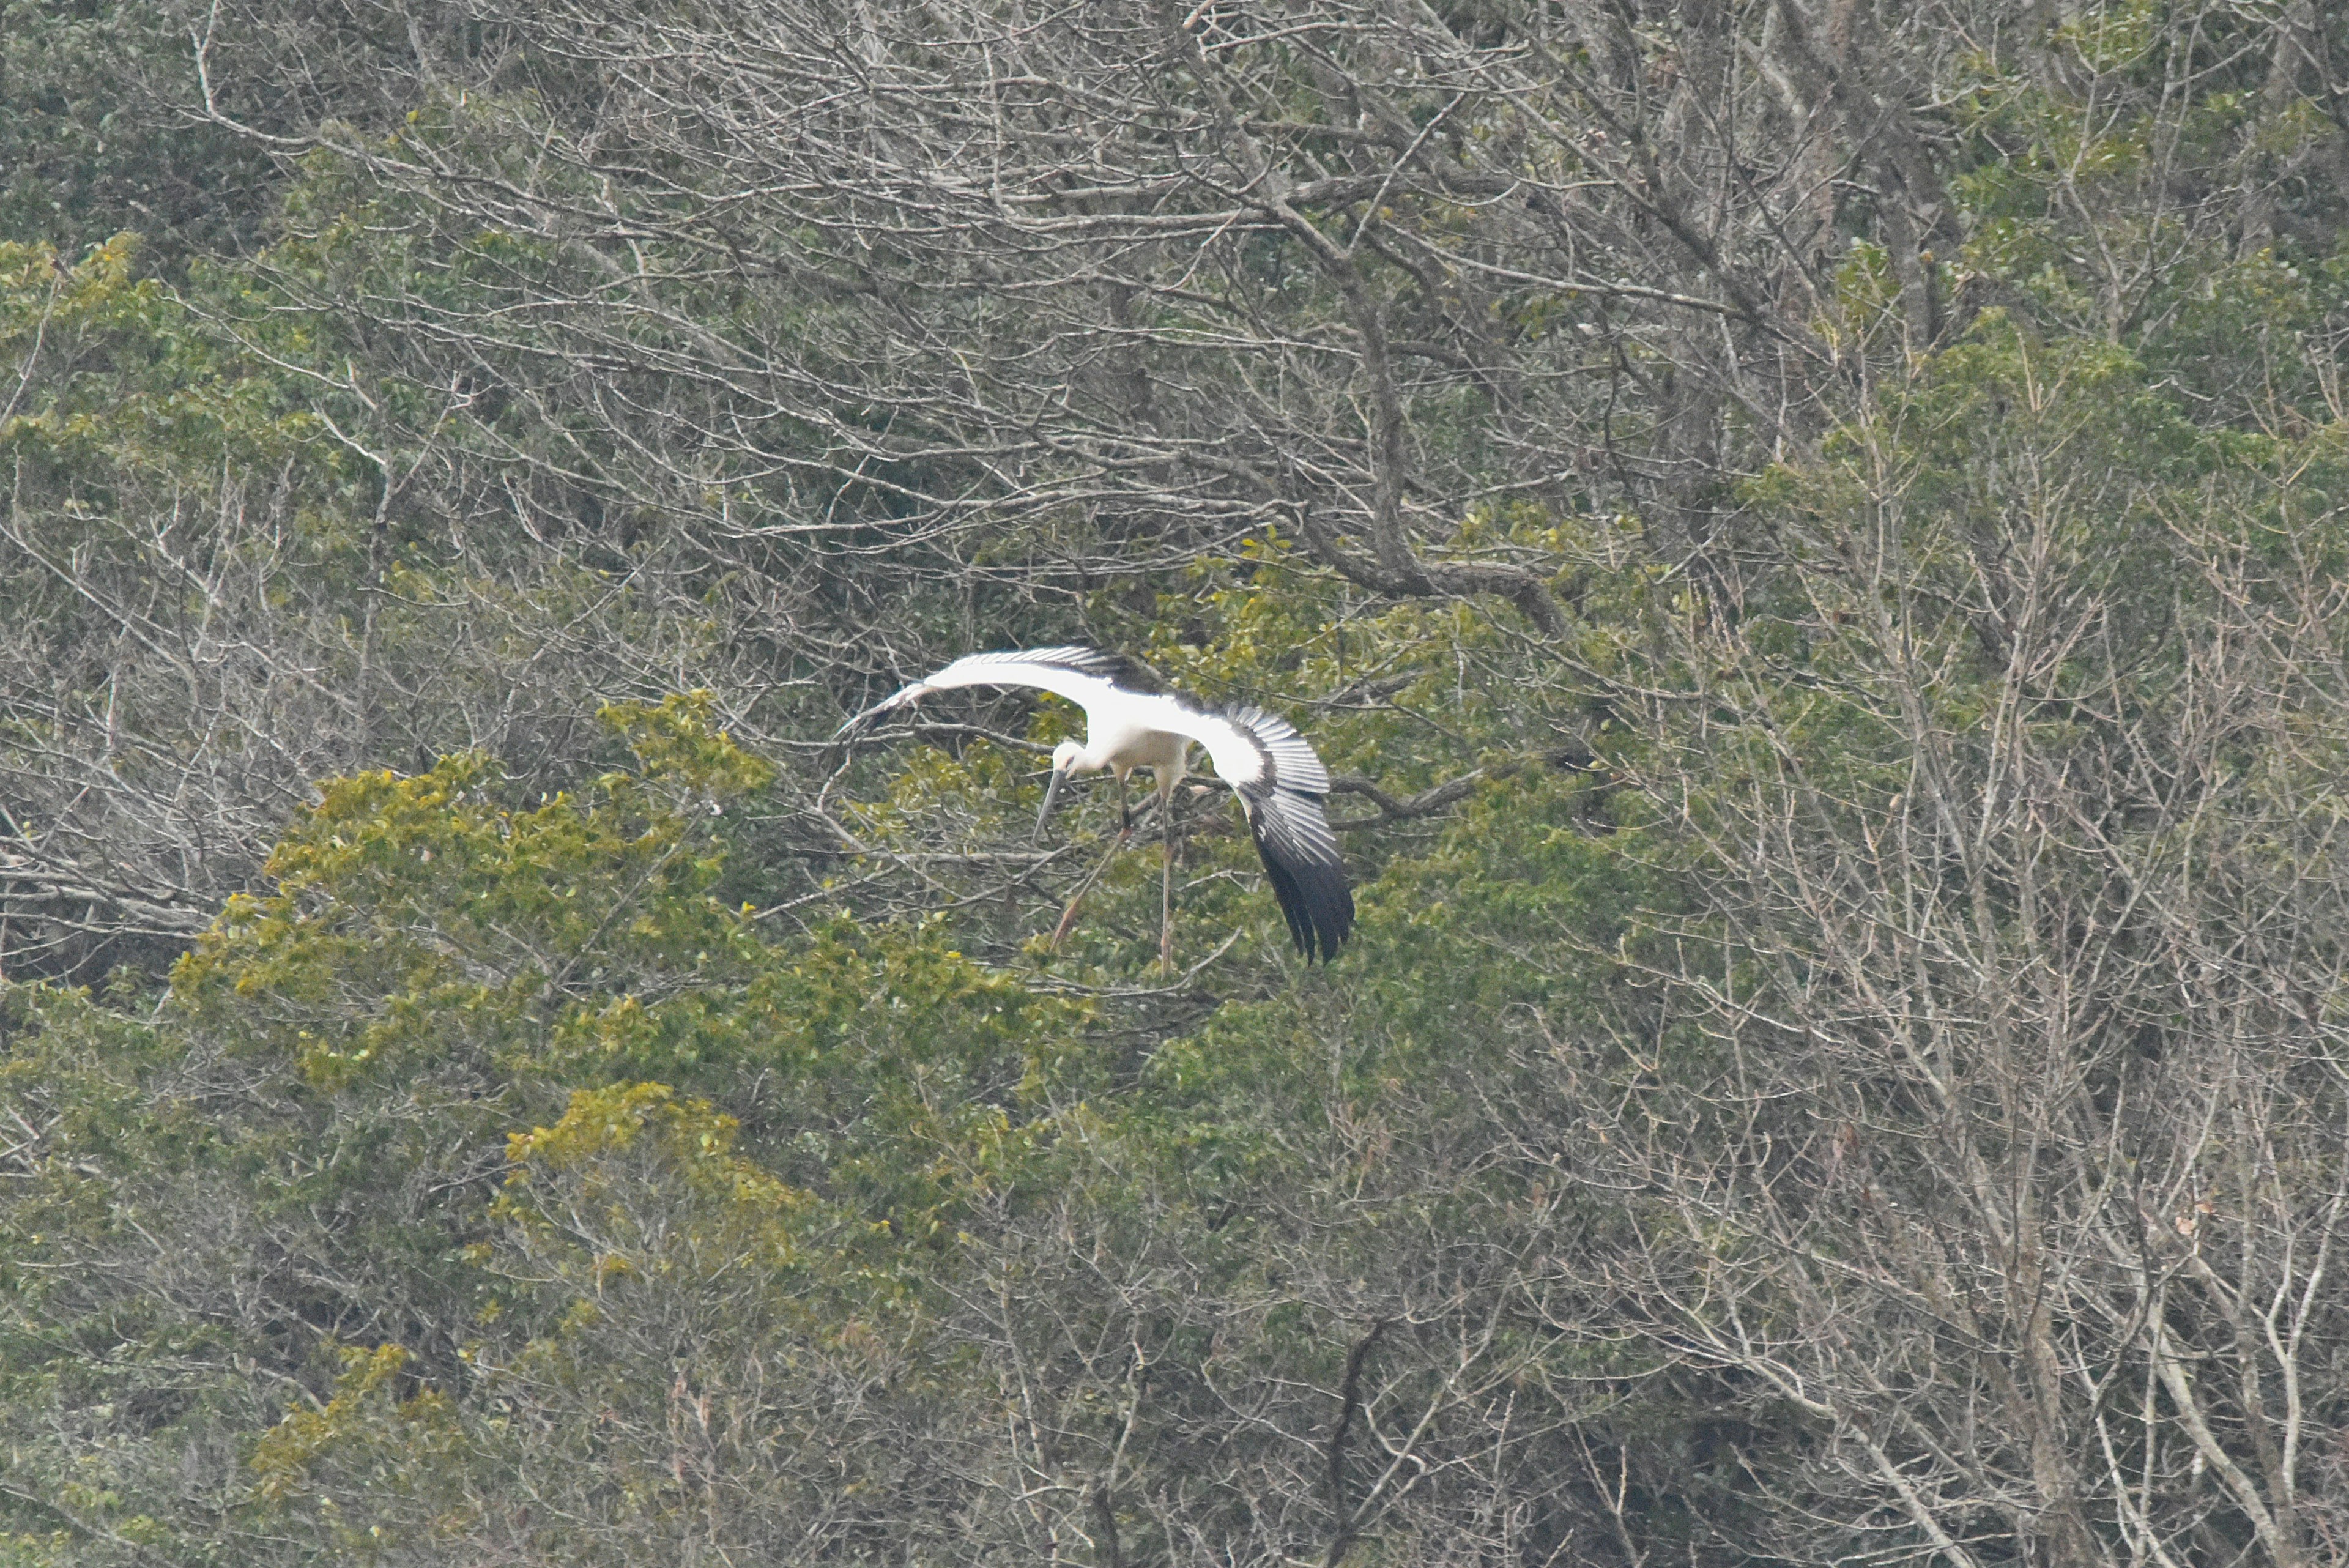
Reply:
x=1329, y=905
x=1313, y=895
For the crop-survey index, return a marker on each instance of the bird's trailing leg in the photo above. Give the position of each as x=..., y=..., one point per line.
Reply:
x=1124, y=812
x=1166, y=885
x=1069, y=915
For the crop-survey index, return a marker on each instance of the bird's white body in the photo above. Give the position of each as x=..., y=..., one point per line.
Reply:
x=1134, y=737
x=1279, y=779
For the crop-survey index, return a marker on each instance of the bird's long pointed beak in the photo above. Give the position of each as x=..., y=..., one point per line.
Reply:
x=1051, y=795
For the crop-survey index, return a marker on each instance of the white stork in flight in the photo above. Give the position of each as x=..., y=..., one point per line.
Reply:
x=1129, y=724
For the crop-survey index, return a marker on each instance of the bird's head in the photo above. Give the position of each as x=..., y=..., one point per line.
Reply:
x=1066, y=760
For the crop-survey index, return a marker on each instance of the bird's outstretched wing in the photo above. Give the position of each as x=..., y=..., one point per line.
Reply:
x=1273, y=769
x=1282, y=785
x=1082, y=675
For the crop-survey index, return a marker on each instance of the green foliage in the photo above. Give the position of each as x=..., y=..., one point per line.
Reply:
x=113, y=370
x=371, y=1039
x=89, y=147
x=404, y=904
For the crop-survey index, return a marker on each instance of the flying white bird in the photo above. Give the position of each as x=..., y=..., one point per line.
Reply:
x=1280, y=782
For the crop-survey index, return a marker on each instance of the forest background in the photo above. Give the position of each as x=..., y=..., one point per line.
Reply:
x=1810, y=532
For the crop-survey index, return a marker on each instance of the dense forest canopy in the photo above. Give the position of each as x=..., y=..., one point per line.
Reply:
x=1810, y=535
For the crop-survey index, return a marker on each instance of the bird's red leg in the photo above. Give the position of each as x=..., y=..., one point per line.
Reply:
x=1166, y=885
x=1069, y=915
x=1068, y=919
